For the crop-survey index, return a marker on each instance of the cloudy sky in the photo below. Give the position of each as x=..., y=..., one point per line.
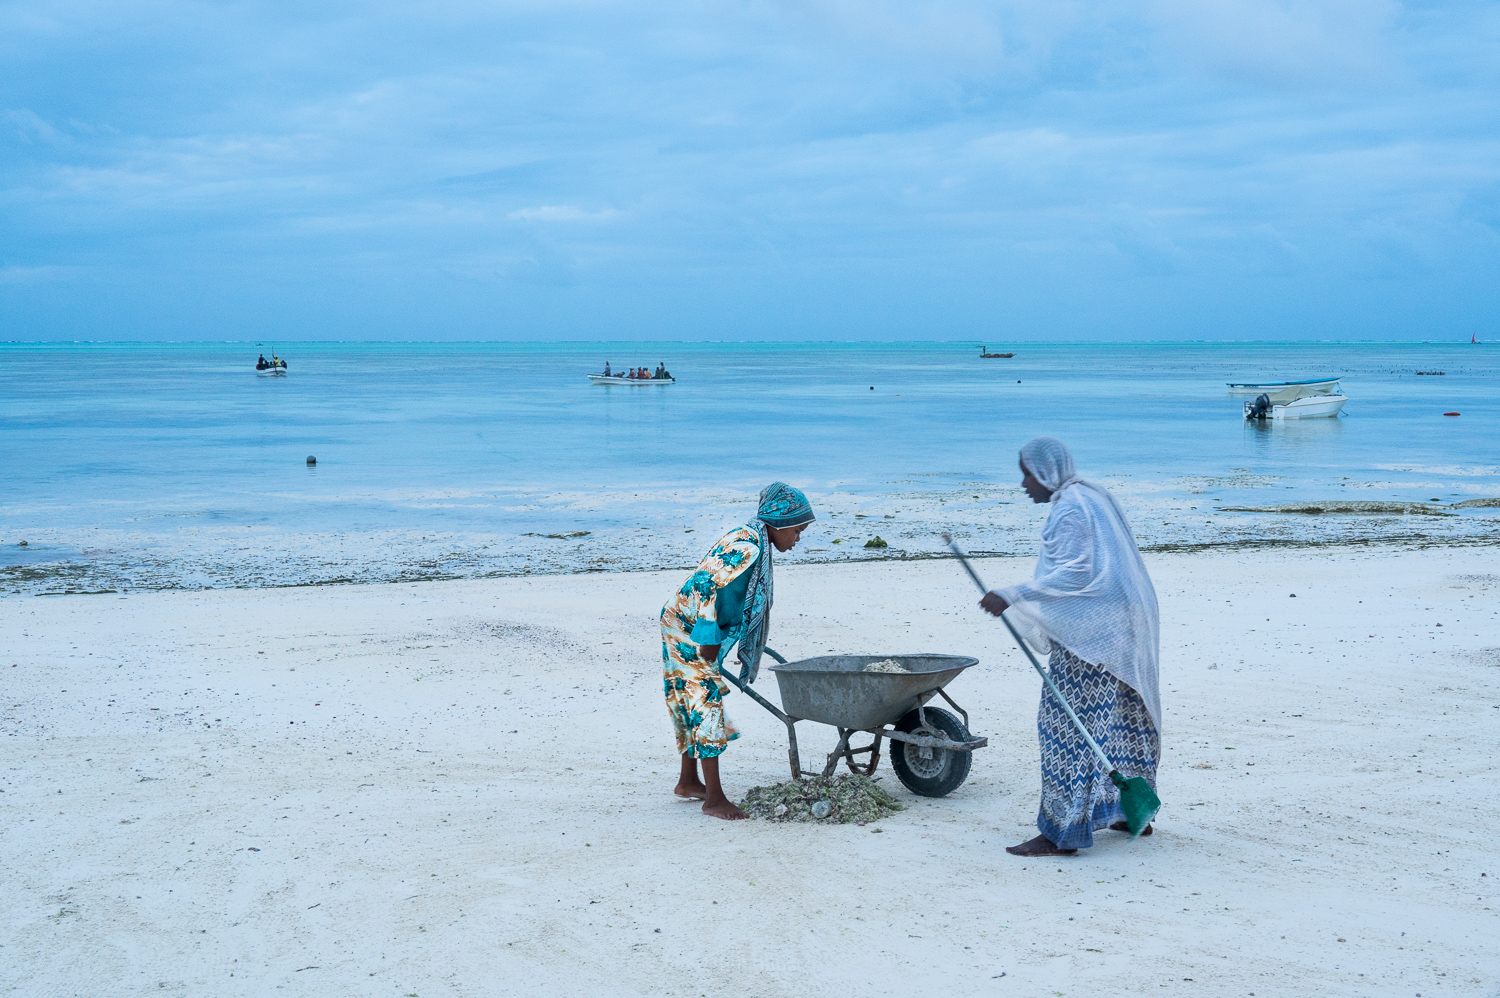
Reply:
x=820, y=169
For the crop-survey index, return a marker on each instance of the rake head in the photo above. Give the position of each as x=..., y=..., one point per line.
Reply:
x=1137, y=800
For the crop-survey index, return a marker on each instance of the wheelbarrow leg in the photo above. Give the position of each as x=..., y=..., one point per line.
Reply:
x=791, y=729
x=868, y=769
x=841, y=752
x=845, y=751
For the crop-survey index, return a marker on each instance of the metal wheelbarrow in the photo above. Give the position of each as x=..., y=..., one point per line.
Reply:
x=931, y=749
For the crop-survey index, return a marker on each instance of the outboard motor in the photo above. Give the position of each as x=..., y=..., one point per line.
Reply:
x=1260, y=408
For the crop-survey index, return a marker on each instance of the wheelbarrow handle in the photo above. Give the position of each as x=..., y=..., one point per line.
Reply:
x=1046, y=678
x=793, y=754
x=744, y=687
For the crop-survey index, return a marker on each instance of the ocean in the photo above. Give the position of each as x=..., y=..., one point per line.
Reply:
x=146, y=465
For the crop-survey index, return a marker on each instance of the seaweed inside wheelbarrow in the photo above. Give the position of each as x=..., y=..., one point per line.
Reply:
x=931, y=749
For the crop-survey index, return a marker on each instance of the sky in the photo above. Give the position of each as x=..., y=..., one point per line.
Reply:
x=820, y=169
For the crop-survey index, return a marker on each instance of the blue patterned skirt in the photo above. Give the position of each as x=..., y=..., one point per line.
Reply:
x=1077, y=795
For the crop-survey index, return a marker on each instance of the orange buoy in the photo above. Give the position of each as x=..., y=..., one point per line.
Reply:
x=1450, y=414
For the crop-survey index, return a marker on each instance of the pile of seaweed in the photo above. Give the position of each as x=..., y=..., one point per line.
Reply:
x=835, y=799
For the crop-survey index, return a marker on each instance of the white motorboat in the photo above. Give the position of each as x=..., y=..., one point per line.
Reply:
x=615, y=379
x=1317, y=386
x=1307, y=407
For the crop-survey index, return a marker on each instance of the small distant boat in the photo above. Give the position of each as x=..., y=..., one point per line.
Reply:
x=273, y=368
x=986, y=355
x=1307, y=407
x=1317, y=386
x=615, y=379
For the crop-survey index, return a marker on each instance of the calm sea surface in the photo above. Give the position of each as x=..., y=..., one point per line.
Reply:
x=173, y=464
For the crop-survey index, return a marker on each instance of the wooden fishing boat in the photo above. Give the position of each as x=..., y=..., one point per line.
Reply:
x=615, y=379
x=1316, y=386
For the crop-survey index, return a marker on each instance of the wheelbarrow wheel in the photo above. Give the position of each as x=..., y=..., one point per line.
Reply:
x=931, y=772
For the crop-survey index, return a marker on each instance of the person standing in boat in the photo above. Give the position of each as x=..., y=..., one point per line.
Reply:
x=1091, y=603
x=727, y=601
x=606, y=368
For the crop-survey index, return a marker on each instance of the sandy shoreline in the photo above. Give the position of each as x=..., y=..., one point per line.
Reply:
x=463, y=788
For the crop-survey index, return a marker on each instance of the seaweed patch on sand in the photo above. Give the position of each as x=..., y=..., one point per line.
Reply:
x=835, y=800
x=1367, y=508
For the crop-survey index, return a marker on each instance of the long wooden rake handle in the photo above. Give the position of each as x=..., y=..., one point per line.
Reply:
x=964, y=561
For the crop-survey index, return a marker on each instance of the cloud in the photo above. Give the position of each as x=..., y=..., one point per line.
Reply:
x=561, y=213
x=38, y=275
x=30, y=127
x=1343, y=44
x=826, y=168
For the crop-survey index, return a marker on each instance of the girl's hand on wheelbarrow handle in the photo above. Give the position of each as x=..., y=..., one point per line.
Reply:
x=994, y=604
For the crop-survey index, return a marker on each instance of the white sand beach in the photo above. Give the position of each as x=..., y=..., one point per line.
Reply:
x=464, y=788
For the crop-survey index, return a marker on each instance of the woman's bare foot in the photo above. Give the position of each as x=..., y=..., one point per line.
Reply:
x=1039, y=846
x=716, y=804
x=688, y=784
x=1120, y=826
x=723, y=808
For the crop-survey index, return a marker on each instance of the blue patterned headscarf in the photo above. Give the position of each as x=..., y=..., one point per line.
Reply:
x=783, y=506
x=780, y=506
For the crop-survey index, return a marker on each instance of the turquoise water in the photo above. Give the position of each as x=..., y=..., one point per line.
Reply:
x=173, y=464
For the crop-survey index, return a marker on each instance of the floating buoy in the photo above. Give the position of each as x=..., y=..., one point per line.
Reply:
x=872, y=388
x=1450, y=414
x=311, y=460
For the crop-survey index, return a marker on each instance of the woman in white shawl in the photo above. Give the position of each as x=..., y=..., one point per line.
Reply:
x=1091, y=604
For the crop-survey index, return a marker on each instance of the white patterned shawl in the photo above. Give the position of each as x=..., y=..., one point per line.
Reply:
x=1090, y=592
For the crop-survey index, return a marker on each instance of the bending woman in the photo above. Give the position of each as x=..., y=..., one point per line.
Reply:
x=1092, y=605
x=726, y=601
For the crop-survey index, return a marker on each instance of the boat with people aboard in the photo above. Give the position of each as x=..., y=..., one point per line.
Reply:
x=1315, y=386
x=634, y=376
x=273, y=368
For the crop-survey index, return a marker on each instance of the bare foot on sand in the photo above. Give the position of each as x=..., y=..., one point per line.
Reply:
x=1120, y=826
x=725, y=809
x=1039, y=846
x=692, y=791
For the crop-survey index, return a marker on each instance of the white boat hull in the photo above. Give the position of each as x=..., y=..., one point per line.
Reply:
x=610, y=379
x=271, y=372
x=1325, y=387
x=1311, y=407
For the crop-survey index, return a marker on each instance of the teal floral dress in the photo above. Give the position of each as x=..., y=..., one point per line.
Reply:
x=709, y=609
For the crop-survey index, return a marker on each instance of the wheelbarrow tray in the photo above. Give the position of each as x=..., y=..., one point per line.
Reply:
x=835, y=689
